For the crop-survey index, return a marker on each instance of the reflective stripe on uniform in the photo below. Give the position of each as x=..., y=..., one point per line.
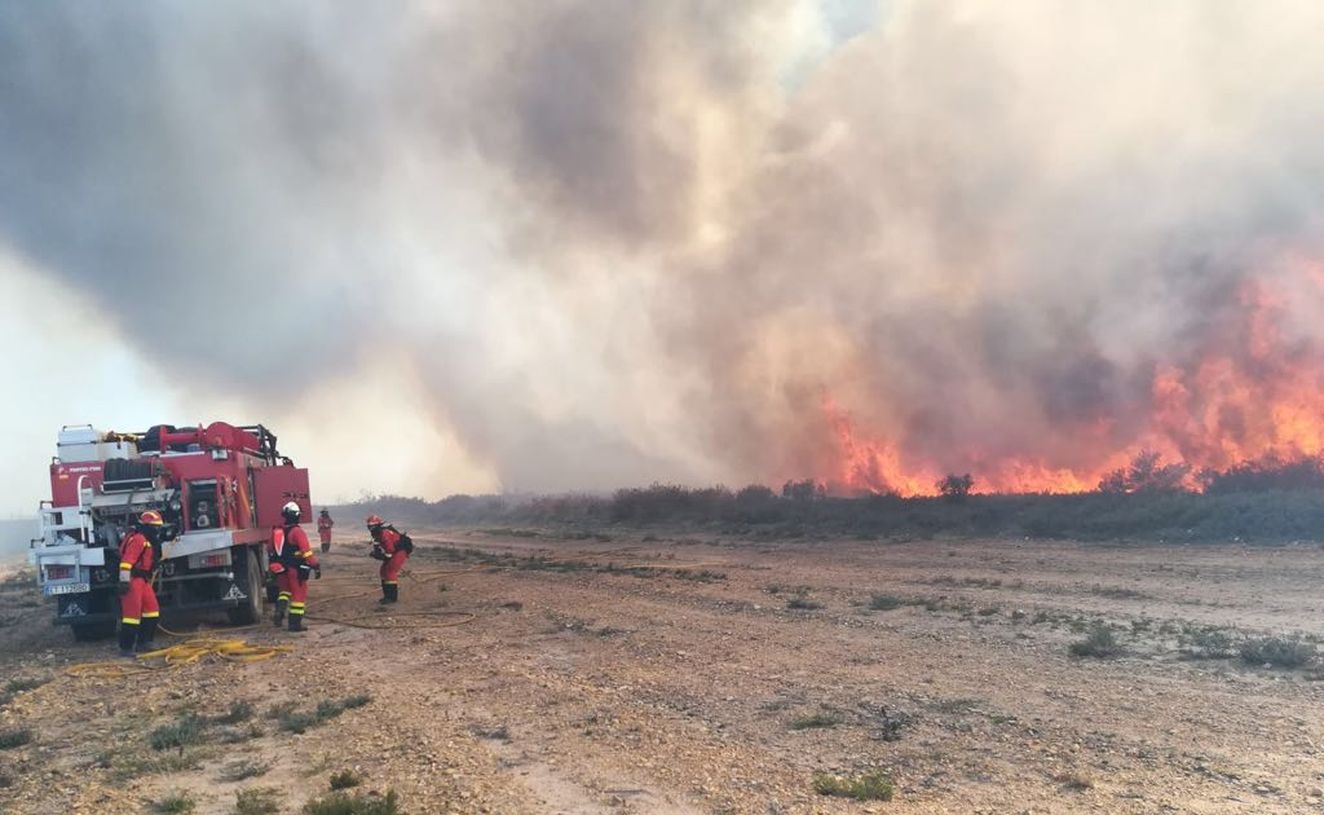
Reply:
x=149, y=614
x=285, y=595
x=124, y=565
x=391, y=582
x=129, y=621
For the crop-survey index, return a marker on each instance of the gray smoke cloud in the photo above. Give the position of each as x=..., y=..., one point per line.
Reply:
x=625, y=241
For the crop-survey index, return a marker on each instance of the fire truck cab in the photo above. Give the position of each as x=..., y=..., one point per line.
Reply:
x=220, y=489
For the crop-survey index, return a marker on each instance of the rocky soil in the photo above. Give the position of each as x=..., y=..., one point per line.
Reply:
x=677, y=675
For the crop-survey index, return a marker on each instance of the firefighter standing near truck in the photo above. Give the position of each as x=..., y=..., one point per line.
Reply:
x=293, y=561
x=392, y=547
x=324, y=524
x=139, y=610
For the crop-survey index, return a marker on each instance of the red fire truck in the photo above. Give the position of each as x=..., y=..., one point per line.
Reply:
x=220, y=488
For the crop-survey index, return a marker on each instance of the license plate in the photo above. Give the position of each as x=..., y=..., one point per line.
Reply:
x=68, y=588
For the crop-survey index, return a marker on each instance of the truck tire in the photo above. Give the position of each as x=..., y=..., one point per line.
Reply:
x=92, y=632
x=250, y=582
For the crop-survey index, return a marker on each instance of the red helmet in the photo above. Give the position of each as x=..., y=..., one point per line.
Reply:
x=151, y=518
x=374, y=520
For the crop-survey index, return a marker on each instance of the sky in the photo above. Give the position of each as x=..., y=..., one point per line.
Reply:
x=551, y=245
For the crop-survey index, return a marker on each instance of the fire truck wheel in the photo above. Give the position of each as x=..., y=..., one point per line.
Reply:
x=251, y=611
x=91, y=632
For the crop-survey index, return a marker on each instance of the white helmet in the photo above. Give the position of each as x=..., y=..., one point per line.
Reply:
x=291, y=511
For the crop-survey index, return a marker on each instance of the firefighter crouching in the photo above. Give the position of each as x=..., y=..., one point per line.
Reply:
x=139, y=610
x=324, y=524
x=392, y=547
x=292, y=561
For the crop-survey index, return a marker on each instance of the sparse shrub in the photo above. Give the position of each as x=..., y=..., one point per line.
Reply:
x=180, y=733
x=257, y=801
x=815, y=721
x=698, y=575
x=885, y=602
x=803, y=604
x=498, y=732
x=1119, y=593
x=135, y=765
x=1209, y=643
x=871, y=786
x=890, y=724
x=341, y=803
x=297, y=721
x=1147, y=473
x=239, y=712
x=1076, y=782
x=242, y=770
x=175, y=802
x=955, y=487
x=345, y=779
x=1280, y=652
x=21, y=684
x=15, y=737
x=293, y=720
x=237, y=735
x=1099, y=643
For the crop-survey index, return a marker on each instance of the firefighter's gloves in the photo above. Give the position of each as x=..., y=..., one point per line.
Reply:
x=317, y=573
x=377, y=553
x=125, y=579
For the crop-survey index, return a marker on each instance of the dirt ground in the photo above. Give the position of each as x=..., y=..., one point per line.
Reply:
x=670, y=676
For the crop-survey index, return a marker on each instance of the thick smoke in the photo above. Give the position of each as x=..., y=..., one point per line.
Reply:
x=626, y=241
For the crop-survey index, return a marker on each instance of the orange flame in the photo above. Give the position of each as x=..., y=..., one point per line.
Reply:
x=1251, y=394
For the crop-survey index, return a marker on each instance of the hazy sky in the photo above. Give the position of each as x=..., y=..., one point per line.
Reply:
x=577, y=244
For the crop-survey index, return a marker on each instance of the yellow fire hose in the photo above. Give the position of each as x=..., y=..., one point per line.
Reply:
x=235, y=650
x=185, y=653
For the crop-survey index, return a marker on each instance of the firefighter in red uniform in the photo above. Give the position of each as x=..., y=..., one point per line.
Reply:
x=392, y=547
x=324, y=524
x=292, y=561
x=139, y=610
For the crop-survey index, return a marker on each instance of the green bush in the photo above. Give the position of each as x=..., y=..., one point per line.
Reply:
x=1280, y=652
x=870, y=786
x=181, y=733
x=179, y=802
x=1100, y=643
x=885, y=602
x=822, y=719
x=238, y=712
x=803, y=604
x=1209, y=643
x=341, y=803
x=242, y=770
x=344, y=780
x=257, y=801
x=15, y=737
x=1262, y=508
x=23, y=684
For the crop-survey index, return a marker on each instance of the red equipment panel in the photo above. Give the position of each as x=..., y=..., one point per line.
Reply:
x=275, y=487
x=64, y=481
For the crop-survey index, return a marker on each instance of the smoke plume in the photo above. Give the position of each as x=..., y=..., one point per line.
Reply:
x=614, y=242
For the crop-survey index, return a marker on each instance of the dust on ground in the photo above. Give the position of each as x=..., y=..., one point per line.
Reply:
x=699, y=675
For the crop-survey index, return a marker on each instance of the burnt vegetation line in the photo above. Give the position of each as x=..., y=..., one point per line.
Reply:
x=1263, y=502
